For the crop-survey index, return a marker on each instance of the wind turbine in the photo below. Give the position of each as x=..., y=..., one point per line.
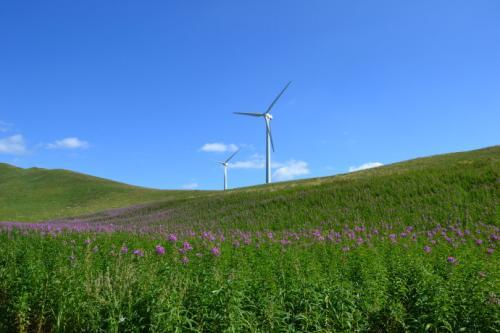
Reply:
x=269, y=137
x=225, y=164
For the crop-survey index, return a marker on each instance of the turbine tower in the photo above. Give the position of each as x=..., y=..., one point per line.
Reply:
x=225, y=164
x=269, y=137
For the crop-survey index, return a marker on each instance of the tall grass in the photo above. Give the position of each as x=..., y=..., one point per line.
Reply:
x=347, y=279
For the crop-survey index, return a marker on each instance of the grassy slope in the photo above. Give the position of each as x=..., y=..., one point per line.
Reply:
x=36, y=194
x=459, y=187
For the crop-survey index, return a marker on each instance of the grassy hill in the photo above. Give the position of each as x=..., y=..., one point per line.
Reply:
x=452, y=188
x=458, y=187
x=37, y=194
x=409, y=247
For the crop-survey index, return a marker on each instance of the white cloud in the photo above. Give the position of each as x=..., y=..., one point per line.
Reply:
x=190, y=186
x=255, y=161
x=218, y=147
x=13, y=145
x=68, y=143
x=283, y=171
x=291, y=169
x=365, y=166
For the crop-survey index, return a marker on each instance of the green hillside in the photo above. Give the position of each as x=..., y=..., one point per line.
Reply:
x=36, y=194
x=409, y=247
x=451, y=188
x=458, y=187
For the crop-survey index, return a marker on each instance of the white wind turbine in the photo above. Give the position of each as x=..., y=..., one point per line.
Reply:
x=269, y=137
x=225, y=164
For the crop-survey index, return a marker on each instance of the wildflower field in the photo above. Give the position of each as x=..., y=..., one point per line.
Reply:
x=411, y=247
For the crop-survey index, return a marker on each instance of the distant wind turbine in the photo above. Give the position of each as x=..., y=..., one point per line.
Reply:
x=225, y=164
x=269, y=137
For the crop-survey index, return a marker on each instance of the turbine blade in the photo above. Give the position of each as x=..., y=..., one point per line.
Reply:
x=277, y=97
x=253, y=114
x=230, y=157
x=268, y=125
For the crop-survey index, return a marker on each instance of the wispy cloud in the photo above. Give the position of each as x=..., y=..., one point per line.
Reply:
x=218, y=147
x=291, y=169
x=68, y=143
x=14, y=144
x=5, y=127
x=255, y=161
x=190, y=186
x=283, y=170
x=365, y=166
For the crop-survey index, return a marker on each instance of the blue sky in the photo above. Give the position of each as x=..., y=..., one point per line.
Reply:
x=132, y=90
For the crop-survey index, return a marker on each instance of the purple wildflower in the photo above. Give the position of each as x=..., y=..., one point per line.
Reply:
x=138, y=253
x=452, y=260
x=185, y=260
x=359, y=229
x=215, y=251
x=392, y=237
x=489, y=250
x=479, y=241
x=124, y=250
x=160, y=250
x=186, y=246
x=208, y=235
x=427, y=249
x=172, y=238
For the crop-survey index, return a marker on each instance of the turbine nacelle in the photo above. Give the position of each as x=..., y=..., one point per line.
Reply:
x=225, y=164
x=269, y=137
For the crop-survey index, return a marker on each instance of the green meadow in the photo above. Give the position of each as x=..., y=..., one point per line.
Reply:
x=408, y=247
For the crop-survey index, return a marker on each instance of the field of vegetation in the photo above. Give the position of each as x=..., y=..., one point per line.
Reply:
x=36, y=194
x=411, y=247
